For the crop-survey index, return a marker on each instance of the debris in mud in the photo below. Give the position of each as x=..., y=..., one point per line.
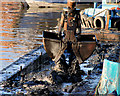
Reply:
x=115, y=56
x=40, y=82
x=110, y=71
x=64, y=77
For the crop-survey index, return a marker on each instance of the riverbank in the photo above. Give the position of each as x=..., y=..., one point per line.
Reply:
x=37, y=81
x=25, y=64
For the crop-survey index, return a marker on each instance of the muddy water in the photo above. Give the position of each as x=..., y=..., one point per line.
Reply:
x=21, y=29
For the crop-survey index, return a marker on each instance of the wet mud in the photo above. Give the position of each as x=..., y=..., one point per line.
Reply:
x=53, y=80
x=60, y=79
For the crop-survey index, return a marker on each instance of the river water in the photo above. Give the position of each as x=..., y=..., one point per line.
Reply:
x=21, y=29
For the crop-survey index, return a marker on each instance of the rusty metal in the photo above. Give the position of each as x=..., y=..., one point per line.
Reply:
x=108, y=20
x=103, y=35
x=69, y=37
x=71, y=4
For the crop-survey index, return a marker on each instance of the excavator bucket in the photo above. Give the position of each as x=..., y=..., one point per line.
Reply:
x=87, y=44
x=69, y=37
x=55, y=47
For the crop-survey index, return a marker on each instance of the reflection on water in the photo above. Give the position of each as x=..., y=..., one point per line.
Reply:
x=21, y=30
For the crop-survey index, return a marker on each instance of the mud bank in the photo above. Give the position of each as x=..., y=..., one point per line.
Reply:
x=25, y=64
x=39, y=82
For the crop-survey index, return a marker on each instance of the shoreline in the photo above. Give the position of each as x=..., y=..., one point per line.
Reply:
x=25, y=64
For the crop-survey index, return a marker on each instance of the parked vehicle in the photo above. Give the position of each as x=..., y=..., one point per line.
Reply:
x=104, y=16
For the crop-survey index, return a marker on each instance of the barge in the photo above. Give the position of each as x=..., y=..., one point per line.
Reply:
x=105, y=16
